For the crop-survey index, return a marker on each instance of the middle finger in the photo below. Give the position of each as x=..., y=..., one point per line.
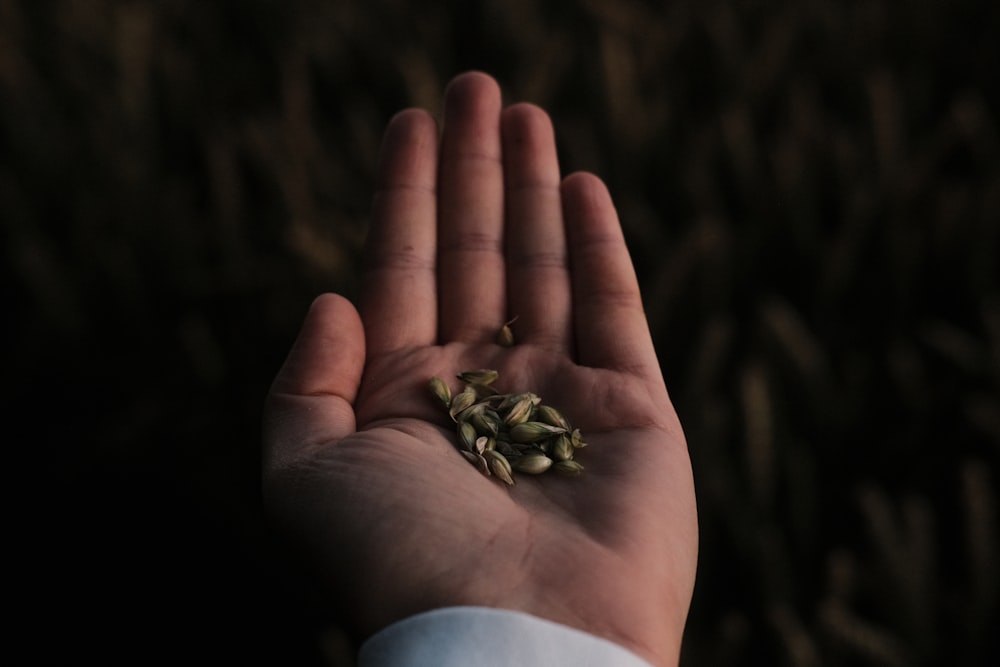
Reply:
x=471, y=275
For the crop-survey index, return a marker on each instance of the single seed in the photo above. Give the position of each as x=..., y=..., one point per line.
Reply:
x=482, y=376
x=549, y=415
x=562, y=450
x=568, y=468
x=467, y=435
x=505, y=337
x=487, y=422
x=499, y=466
x=510, y=400
x=576, y=439
x=520, y=412
x=480, y=444
x=441, y=390
x=534, y=431
x=532, y=464
x=461, y=401
x=467, y=414
x=482, y=465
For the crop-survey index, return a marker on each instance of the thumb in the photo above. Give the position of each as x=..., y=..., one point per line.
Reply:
x=311, y=401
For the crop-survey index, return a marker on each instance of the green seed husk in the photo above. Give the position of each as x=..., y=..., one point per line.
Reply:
x=499, y=466
x=568, y=468
x=562, y=450
x=441, y=390
x=520, y=412
x=467, y=435
x=534, y=431
x=482, y=465
x=483, y=376
x=549, y=415
x=510, y=400
x=486, y=422
x=532, y=464
x=505, y=337
x=461, y=401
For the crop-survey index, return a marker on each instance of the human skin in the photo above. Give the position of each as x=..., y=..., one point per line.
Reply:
x=469, y=228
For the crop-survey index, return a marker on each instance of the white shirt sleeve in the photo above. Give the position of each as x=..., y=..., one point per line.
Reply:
x=489, y=637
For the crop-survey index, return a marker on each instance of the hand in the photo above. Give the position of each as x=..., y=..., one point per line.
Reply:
x=359, y=460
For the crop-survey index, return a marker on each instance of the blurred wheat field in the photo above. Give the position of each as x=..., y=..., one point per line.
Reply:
x=811, y=192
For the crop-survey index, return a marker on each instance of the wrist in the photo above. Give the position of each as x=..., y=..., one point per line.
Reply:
x=631, y=607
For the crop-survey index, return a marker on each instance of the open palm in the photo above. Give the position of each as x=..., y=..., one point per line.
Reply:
x=360, y=462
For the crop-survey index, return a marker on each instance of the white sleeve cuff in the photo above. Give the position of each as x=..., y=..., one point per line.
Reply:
x=489, y=637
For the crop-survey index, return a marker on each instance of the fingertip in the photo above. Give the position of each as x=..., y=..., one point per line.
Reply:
x=472, y=92
x=410, y=120
x=588, y=209
x=526, y=116
x=409, y=150
x=328, y=354
x=472, y=80
x=333, y=315
x=586, y=186
x=528, y=135
x=529, y=146
x=328, y=304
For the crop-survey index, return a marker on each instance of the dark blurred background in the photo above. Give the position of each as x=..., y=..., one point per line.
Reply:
x=811, y=192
